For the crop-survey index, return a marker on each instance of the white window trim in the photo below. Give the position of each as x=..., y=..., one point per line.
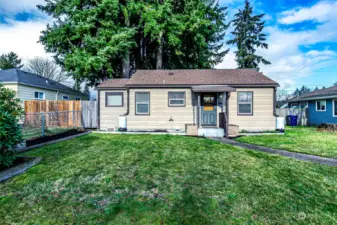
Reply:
x=65, y=96
x=44, y=95
x=246, y=103
x=175, y=99
x=316, y=105
x=142, y=103
x=333, y=107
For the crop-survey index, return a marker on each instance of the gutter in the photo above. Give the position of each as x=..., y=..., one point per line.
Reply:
x=274, y=103
x=127, y=102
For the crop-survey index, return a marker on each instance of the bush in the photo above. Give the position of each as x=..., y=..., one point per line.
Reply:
x=10, y=131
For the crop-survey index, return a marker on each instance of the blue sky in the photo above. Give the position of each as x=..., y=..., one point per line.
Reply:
x=302, y=37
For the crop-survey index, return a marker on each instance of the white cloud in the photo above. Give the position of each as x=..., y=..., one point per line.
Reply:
x=22, y=38
x=320, y=12
x=17, y=6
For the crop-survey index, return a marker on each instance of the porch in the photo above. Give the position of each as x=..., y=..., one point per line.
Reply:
x=212, y=109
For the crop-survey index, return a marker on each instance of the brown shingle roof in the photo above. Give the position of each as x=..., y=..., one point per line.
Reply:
x=318, y=93
x=194, y=77
x=114, y=83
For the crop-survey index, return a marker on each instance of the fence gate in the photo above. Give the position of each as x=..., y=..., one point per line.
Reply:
x=89, y=113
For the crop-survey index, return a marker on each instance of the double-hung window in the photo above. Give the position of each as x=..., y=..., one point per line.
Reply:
x=39, y=95
x=142, y=103
x=114, y=99
x=334, y=104
x=245, y=103
x=177, y=99
x=321, y=106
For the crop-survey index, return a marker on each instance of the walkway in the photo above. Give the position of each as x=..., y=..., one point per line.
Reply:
x=295, y=155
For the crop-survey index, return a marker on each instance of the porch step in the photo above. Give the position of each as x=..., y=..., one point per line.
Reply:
x=211, y=132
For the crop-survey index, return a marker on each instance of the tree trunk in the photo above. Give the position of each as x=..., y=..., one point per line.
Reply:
x=126, y=67
x=159, y=55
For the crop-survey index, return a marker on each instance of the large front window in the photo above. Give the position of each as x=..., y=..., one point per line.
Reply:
x=142, y=103
x=245, y=103
x=114, y=99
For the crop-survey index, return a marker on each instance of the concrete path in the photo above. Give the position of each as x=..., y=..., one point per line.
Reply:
x=299, y=156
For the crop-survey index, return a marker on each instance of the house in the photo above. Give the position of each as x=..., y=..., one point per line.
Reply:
x=175, y=100
x=321, y=104
x=30, y=86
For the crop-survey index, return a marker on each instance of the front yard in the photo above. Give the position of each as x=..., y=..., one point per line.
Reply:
x=143, y=179
x=299, y=139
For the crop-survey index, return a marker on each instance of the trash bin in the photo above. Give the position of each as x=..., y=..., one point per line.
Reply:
x=292, y=120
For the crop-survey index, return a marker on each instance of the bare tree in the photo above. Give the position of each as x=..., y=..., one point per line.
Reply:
x=282, y=95
x=47, y=68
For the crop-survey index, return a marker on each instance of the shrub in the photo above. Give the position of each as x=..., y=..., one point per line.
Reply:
x=10, y=131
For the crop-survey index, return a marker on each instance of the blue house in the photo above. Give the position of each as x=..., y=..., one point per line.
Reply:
x=321, y=104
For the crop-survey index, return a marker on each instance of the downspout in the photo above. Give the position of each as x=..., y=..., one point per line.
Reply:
x=228, y=95
x=57, y=95
x=274, y=103
x=99, y=109
x=127, y=102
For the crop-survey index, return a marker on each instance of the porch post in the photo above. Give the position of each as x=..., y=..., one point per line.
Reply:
x=227, y=114
x=199, y=112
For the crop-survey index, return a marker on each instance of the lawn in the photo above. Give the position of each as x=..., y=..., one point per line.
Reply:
x=143, y=179
x=299, y=139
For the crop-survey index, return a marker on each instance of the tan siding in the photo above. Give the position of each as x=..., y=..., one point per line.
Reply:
x=109, y=115
x=263, y=117
x=160, y=112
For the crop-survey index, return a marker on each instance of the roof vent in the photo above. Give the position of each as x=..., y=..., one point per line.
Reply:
x=171, y=73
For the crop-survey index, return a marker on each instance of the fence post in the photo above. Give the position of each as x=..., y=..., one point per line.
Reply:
x=42, y=124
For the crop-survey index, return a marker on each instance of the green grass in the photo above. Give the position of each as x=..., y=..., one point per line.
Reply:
x=299, y=139
x=31, y=133
x=142, y=179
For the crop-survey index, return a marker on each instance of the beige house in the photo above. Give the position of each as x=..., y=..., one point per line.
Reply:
x=30, y=86
x=199, y=102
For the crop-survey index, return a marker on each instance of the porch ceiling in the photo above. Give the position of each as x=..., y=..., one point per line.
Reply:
x=212, y=88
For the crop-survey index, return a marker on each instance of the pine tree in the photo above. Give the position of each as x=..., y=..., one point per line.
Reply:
x=99, y=39
x=9, y=61
x=248, y=36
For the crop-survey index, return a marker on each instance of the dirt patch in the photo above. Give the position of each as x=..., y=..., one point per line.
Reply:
x=54, y=137
x=325, y=127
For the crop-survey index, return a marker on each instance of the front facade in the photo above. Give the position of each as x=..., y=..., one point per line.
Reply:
x=33, y=87
x=162, y=100
x=321, y=106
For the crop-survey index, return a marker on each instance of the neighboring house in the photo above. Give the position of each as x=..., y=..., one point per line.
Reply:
x=30, y=86
x=321, y=104
x=282, y=104
x=171, y=99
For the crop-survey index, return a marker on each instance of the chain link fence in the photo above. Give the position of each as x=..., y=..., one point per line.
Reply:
x=42, y=124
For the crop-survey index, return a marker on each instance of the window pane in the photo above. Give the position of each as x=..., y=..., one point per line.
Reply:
x=41, y=95
x=143, y=108
x=245, y=96
x=65, y=97
x=115, y=100
x=321, y=105
x=177, y=102
x=245, y=108
x=177, y=95
x=36, y=94
x=335, y=109
x=142, y=97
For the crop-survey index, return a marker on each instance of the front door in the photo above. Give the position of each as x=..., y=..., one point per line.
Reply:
x=208, y=110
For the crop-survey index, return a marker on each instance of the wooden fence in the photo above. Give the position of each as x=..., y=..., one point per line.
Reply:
x=301, y=113
x=67, y=113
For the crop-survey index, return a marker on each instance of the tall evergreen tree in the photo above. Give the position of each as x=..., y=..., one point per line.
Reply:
x=303, y=90
x=248, y=36
x=113, y=38
x=9, y=61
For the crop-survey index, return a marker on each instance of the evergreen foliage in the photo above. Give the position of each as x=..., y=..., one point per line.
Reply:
x=9, y=61
x=248, y=36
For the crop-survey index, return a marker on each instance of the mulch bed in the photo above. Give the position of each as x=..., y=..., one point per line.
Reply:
x=44, y=139
x=325, y=127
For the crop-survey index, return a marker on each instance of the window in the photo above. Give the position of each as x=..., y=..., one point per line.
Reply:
x=334, y=106
x=304, y=105
x=114, y=99
x=39, y=95
x=176, y=99
x=142, y=103
x=64, y=97
x=321, y=106
x=78, y=99
x=245, y=103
